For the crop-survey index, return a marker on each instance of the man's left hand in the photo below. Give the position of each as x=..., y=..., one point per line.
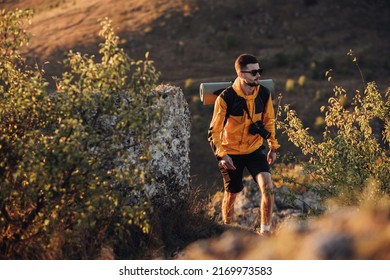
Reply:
x=271, y=157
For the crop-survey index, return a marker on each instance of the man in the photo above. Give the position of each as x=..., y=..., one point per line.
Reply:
x=236, y=135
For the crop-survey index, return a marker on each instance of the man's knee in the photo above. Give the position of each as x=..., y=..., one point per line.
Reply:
x=267, y=190
x=230, y=196
x=265, y=184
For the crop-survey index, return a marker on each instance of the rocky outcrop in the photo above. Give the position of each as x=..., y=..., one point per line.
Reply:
x=170, y=148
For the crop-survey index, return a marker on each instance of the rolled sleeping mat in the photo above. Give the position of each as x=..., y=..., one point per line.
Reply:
x=209, y=91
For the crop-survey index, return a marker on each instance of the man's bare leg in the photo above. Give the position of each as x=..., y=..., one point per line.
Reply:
x=267, y=200
x=228, y=207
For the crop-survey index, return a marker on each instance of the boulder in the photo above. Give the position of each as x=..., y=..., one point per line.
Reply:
x=170, y=149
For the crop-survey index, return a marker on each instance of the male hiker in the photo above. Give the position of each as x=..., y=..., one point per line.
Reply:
x=243, y=119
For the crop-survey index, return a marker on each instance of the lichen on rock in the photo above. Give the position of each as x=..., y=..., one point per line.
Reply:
x=170, y=148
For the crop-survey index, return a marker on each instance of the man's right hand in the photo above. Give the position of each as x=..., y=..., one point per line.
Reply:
x=226, y=163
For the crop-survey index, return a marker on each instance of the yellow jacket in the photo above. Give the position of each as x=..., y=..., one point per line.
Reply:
x=232, y=136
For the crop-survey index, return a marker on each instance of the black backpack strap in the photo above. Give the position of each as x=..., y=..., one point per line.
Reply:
x=262, y=99
x=236, y=105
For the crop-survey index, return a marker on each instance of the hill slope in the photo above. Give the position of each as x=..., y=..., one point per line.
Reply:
x=193, y=41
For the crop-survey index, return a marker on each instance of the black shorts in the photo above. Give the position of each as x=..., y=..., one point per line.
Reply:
x=255, y=162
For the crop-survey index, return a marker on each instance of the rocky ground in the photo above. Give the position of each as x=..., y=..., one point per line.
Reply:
x=339, y=234
x=288, y=206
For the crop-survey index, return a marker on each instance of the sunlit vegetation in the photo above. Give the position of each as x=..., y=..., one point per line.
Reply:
x=70, y=181
x=354, y=151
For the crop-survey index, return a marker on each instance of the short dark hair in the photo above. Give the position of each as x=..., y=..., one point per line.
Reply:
x=243, y=60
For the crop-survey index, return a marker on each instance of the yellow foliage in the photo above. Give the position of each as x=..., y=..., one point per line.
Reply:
x=302, y=80
x=290, y=83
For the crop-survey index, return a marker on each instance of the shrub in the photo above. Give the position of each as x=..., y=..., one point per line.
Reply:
x=302, y=80
x=290, y=83
x=71, y=181
x=350, y=153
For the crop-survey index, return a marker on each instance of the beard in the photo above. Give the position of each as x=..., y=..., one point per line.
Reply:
x=252, y=84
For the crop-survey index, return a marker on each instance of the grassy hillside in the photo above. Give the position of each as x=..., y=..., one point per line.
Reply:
x=194, y=41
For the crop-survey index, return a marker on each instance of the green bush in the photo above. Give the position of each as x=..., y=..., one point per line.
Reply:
x=73, y=166
x=351, y=153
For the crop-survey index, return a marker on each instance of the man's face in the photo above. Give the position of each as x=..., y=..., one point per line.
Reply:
x=251, y=74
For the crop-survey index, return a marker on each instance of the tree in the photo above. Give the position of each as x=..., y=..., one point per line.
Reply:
x=72, y=163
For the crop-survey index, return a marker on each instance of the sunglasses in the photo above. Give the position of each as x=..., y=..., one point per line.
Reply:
x=254, y=72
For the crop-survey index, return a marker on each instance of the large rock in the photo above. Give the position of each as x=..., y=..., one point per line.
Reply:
x=170, y=148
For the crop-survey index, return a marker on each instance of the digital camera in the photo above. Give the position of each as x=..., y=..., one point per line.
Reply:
x=258, y=128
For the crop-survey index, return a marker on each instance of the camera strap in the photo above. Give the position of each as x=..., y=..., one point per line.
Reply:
x=249, y=116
